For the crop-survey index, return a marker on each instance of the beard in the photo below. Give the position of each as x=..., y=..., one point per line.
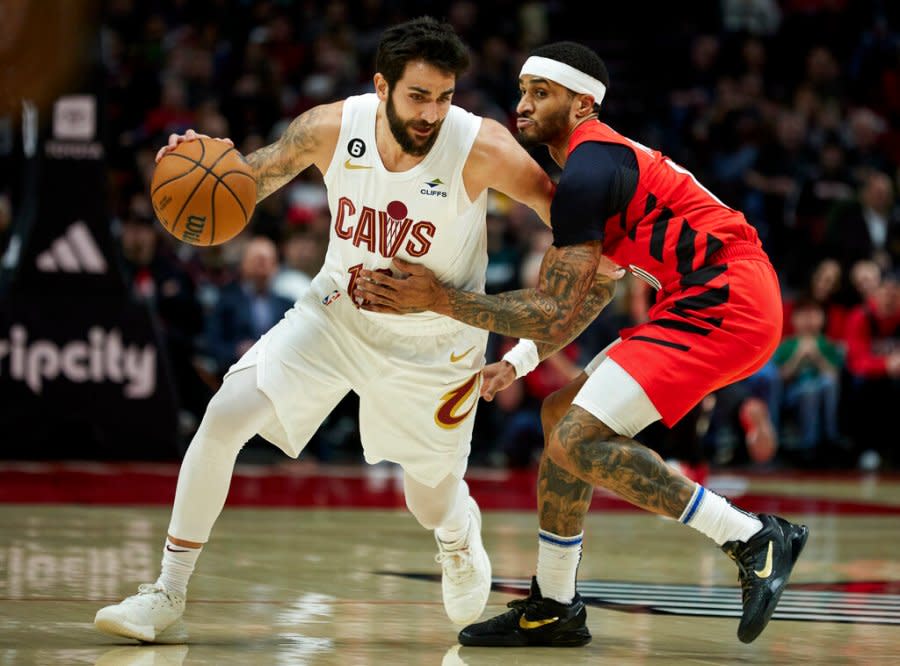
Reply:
x=552, y=130
x=400, y=130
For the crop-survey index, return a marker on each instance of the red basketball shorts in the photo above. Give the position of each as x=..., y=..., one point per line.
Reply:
x=721, y=325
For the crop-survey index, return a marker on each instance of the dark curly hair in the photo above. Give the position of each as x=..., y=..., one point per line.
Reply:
x=424, y=38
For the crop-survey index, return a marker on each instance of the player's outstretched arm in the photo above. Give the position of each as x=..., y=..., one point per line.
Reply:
x=309, y=139
x=546, y=313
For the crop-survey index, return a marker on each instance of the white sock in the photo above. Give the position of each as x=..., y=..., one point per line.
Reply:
x=455, y=527
x=557, y=567
x=177, y=566
x=454, y=533
x=712, y=514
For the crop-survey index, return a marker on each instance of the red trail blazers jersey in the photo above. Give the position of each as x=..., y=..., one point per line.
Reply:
x=672, y=225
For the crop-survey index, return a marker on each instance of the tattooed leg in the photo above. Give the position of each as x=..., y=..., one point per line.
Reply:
x=563, y=502
x=563, y=499
x=588, y=449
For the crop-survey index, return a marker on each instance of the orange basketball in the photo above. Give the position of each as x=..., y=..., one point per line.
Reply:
x=203, y=192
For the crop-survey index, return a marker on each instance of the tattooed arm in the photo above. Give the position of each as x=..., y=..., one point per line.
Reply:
x=546, y=313
x=519, y=361
x=601, y=293
x=309, y=139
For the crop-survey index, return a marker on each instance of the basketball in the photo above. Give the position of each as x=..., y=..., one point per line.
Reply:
x=203, y=192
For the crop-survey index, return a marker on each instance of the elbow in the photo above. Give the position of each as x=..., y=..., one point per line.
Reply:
x=558, y=337
x=560, y=333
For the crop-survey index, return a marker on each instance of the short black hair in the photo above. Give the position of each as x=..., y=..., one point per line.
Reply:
x=576, y=55
x=424, y=38
x=805, y=301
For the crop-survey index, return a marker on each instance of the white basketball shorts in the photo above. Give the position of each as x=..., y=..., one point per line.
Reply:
x=418, y=393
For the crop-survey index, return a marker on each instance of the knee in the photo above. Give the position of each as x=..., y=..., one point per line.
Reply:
x=218, y=427
x=218, y=419
x=568, y=446
x=558, y=451
x=216, y=410
x=553, y=408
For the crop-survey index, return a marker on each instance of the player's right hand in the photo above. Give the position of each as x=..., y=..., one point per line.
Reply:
x=495, y=377
x=190, y=135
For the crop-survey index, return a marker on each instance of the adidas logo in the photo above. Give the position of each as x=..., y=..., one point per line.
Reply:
x=73, y=252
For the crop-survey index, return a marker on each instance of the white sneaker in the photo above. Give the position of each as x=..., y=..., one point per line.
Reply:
x=153, y=615
x=466, y=580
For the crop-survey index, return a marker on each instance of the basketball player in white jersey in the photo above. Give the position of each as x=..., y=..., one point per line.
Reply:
x=407, y=175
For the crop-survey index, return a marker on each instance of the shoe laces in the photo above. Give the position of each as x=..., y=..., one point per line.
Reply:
x=530, y=606
x=161, y=594
x=743, y=560
x=457, y=564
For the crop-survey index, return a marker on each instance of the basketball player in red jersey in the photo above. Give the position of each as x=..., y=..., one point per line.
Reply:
x=716, y=319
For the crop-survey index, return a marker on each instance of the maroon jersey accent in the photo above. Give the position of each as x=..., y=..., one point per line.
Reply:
x=672, y=225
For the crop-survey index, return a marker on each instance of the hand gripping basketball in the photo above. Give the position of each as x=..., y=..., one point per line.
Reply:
x=203, y=190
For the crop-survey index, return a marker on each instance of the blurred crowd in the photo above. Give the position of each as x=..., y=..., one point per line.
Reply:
x=788, y=111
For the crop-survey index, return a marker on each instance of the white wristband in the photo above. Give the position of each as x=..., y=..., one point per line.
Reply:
x=523, y=357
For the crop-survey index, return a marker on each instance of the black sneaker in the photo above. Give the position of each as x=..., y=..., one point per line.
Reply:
x=533, y=621
x=765, y=562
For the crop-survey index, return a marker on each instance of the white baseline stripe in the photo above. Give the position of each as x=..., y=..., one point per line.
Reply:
x=784, y=607
x=735, y=595
x=779, y=616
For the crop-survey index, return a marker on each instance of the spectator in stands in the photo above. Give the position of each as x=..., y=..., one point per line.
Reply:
x=825, y=288
x=247, y=307
x=828, y=185
x=156, y=277
x=504, y=256
x=869, y=227
x=865, y=276
x=873, y=361
x=783, y=162
x=865, y=133
x=173, y=114
x=299, y=263
x=739, y=426
x=810, y=366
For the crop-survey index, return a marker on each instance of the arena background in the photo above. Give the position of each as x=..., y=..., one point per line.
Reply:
x=113, y=335
x=787, y=111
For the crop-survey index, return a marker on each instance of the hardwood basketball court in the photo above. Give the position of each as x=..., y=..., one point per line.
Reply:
x=324, y=566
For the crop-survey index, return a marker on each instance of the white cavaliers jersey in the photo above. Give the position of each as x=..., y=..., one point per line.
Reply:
x=422, y=215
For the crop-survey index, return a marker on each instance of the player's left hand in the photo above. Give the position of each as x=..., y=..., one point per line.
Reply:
x=417, y=292
x=495, y=377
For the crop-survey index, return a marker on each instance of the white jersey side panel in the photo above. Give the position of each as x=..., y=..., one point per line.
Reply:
x=422, y=215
